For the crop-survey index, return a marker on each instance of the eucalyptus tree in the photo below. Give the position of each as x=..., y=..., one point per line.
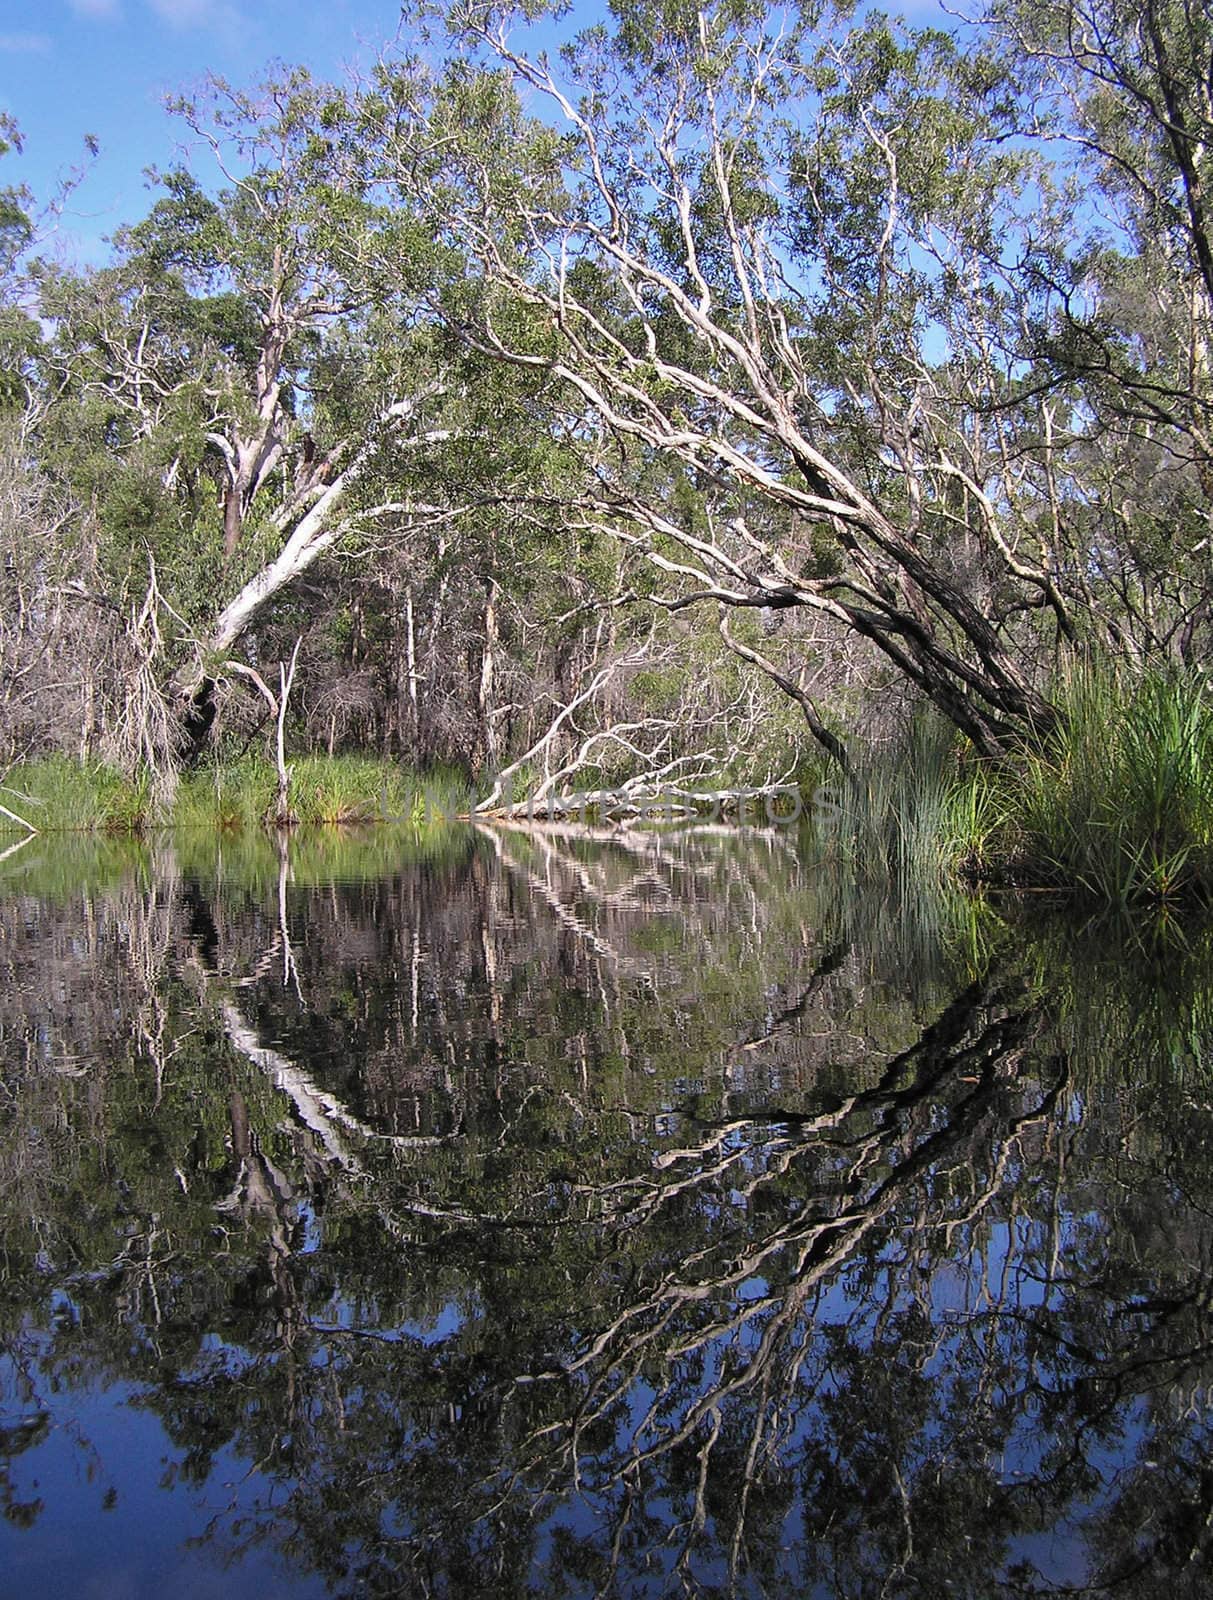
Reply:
x=17, y=330
x=1122, y=95
x=36, y=555
x=728, y=259
x=259, y=389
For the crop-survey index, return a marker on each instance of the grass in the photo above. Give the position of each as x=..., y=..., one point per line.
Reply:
x=366, y=789
x=236, y=795
x=1116, y=807
x=892, y=822
x=59, y=795
x=327, y=789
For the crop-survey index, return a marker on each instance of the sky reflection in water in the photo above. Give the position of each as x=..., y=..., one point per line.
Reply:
x=525, y=1214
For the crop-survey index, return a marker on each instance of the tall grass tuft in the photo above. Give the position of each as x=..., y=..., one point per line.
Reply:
x=59, y=795
x=364, y=789
x=323, y=789
x=891, y=821
x=1119, y=804
x=231, y=796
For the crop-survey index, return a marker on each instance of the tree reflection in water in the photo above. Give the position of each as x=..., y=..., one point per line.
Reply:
x=554, y=1216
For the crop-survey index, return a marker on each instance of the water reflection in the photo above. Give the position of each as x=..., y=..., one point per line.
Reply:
x=534, y=1214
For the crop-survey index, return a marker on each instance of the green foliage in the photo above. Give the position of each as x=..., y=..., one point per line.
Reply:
x=234, y=795
x=185, y=231
x=57, y=794
x=1116, y=807
x=16, y=228
x=1120, y=801
x=364, y=789
x=20, y=336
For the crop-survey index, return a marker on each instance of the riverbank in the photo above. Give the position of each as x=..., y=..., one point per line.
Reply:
x=58, y=795
x=1115, y=806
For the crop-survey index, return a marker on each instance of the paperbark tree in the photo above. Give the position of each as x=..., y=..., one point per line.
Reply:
x=728, y=285
x=1120, y=344
x=798, y=270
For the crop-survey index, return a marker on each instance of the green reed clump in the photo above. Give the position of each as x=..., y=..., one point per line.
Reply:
x=1119, y=802
x=1117, y=805
x=323, y=789
x=890, y=819
x=56, y=794
x=350, y=789
x=231, y=795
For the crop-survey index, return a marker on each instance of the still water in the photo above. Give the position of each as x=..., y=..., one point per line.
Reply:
x=503, y=1213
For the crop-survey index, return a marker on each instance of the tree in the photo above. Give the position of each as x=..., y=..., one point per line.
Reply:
x=246, y=387
x=784, y=265
x=18, y=332
x=1120, y=346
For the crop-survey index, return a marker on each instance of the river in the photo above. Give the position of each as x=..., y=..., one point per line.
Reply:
x=527, y=1213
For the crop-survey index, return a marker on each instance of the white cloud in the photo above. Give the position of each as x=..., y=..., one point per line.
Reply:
x=221, y=19
x=193, y=13
x=97, y=10
x=25, y=44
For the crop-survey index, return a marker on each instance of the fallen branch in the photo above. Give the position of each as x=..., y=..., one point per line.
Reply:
x=13, y=817
x=670, y=803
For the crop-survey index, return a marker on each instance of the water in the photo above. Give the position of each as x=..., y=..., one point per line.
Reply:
x=539, y=1215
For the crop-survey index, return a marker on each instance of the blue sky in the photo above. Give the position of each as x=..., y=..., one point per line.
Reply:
x=74, y=67
x=71, y=68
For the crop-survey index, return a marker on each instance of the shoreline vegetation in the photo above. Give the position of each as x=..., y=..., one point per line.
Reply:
x=813, y=431
x=56, y=794
x=1114, y=807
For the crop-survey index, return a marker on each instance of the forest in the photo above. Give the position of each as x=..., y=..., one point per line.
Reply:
x=718, y=399
x=423, y=1172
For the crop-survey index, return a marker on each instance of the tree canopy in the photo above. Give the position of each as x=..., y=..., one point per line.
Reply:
x=727, y=378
